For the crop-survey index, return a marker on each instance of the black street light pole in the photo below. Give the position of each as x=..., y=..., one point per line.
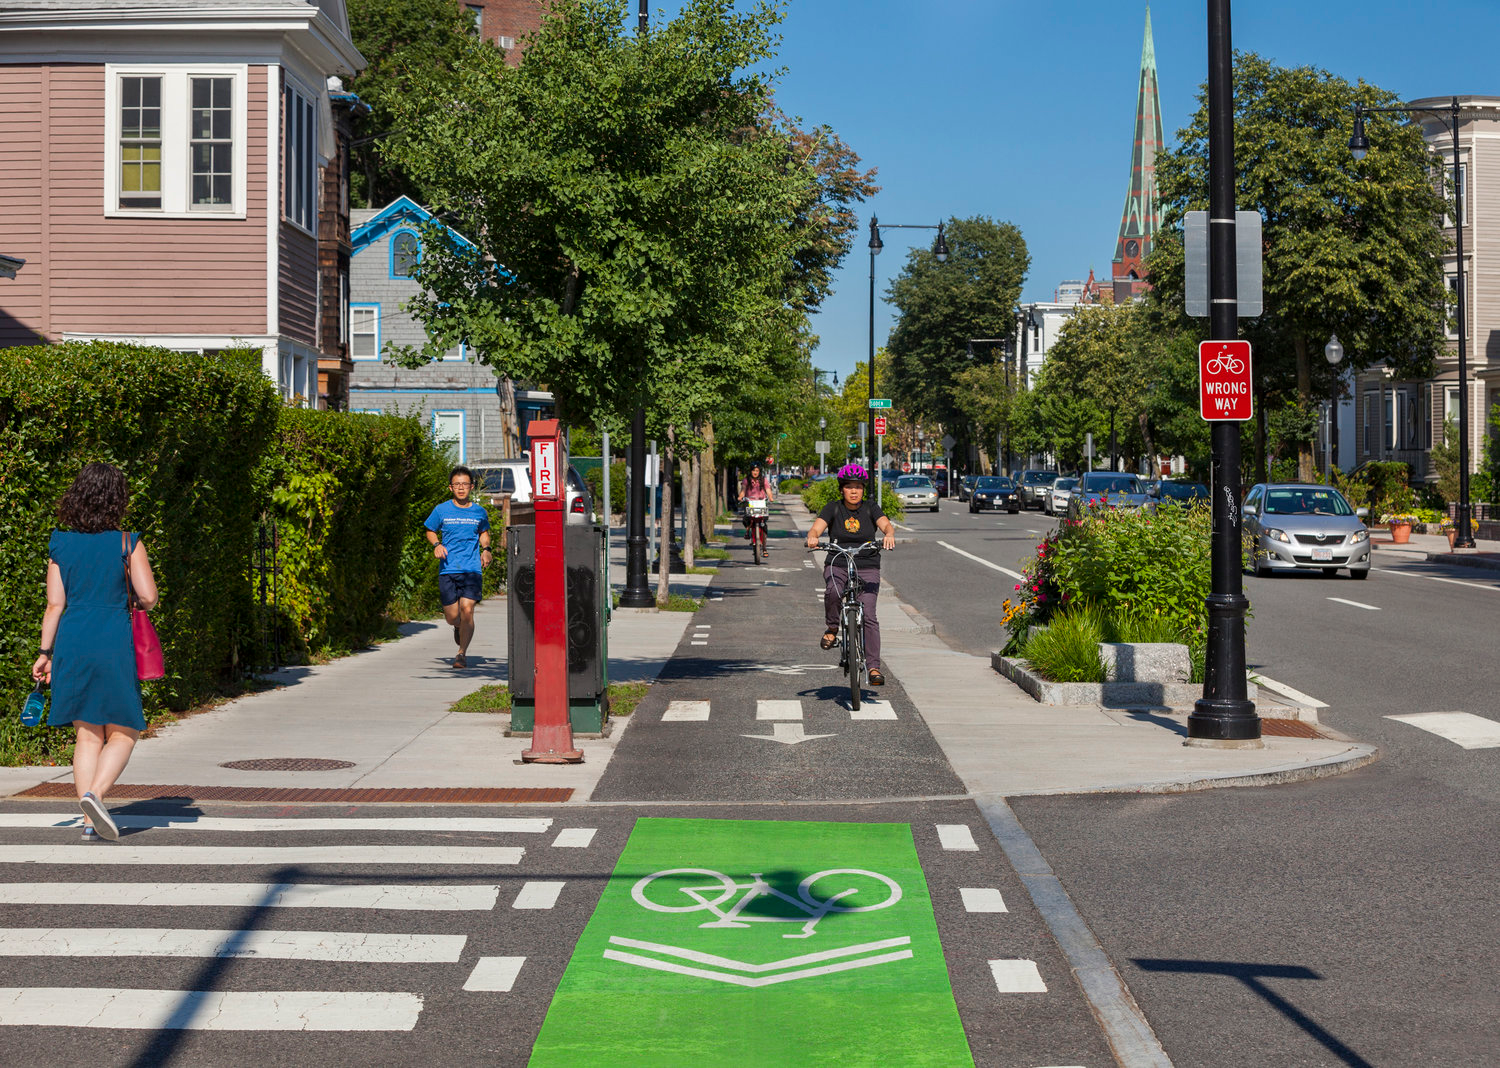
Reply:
x=637, y=594
x=1223, y=716
x=1359, y=145
x=940, y=251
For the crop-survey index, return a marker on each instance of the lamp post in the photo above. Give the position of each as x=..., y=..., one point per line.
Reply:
x=921, y=437
x=1223, y=717
x=637, y=594
x=939, y=252
x=822, y=456
x=1333, y=352
x=1359, y=145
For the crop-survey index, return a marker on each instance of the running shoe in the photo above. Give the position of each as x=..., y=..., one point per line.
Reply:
x=95, y=810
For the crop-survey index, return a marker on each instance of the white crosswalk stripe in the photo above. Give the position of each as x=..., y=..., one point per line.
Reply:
x=351, y=932
x=873, y=708
x=1461, y=728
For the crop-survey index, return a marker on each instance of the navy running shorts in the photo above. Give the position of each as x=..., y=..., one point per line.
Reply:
x=466, y=584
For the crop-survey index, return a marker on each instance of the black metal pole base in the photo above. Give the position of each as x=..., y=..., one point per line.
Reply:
x=1224, y=723
x=1224, y=717
x=637, y=594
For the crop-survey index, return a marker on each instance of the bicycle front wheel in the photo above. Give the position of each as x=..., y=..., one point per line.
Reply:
x=854, y=630
x=855, y=890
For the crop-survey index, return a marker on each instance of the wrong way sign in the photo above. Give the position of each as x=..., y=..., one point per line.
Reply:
x=1224, y=390
x=879, y=426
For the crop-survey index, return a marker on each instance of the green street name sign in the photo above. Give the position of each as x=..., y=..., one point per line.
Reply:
x=880, y=402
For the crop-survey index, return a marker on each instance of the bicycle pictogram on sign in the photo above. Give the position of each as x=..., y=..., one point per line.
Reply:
x=1225, y=389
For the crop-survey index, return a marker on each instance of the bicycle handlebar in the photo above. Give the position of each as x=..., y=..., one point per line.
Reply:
x=834, y=547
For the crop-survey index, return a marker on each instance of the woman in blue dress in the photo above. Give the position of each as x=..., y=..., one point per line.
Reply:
x=87, y=653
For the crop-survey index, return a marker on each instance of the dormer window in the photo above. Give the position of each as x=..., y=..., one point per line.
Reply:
x=406, y=251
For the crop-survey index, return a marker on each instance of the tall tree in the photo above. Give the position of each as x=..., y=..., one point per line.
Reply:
x=1351, y=247
x=406, y=44
x=1099, y=356
x=943, y=305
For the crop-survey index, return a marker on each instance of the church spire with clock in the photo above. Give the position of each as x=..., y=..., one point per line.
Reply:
x=1141, y=216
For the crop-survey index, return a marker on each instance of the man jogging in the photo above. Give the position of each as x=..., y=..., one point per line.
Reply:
x=459, y=531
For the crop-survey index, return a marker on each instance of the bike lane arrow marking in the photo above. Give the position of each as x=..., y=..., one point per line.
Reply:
x=787, y=734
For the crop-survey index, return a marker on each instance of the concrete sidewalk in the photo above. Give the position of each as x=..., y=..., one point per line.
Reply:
x=387, y=711
x=1433, y=549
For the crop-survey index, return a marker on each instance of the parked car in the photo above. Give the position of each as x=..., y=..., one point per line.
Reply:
x=1304, y=526
x=496, y=478
x=1179, y=493
x=917, y=491
x=995, y=491
x=1034, y=485
x=966, y=486
x=1056, y=501
x=940, y=480
x=1112, y=489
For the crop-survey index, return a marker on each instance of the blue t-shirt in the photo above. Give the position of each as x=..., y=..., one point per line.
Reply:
x=459, y=529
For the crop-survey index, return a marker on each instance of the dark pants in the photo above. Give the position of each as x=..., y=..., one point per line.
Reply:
x=835, y=579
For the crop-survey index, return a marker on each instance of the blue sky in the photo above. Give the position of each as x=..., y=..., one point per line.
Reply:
x=1024, y=111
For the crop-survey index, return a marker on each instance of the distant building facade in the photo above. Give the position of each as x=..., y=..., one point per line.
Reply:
x=1142, y=214
x=507, y=23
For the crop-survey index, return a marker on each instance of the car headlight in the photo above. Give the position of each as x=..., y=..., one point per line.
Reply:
x=1358, y=536
x=1274, y=534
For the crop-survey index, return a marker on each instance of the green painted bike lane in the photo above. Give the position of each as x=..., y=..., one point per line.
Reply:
x=764, y=942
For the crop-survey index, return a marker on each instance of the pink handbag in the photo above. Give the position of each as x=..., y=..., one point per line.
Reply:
x=149, y=662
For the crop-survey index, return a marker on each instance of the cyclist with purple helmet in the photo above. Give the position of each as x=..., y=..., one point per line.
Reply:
x=852, y=520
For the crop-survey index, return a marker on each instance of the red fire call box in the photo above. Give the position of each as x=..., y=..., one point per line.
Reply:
x=1224, y=391
x=546, y=468
x=880, y=426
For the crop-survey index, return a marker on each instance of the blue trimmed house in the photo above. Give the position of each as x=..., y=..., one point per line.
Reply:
x=457, y=397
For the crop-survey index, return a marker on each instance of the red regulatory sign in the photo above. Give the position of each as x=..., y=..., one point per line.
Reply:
x=880, y=426
x=1224, y=380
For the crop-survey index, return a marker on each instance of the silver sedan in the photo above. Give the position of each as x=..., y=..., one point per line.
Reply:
x=1304, y=527
x=917, y=491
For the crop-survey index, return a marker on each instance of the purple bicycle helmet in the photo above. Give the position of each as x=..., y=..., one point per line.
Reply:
x=853, y=473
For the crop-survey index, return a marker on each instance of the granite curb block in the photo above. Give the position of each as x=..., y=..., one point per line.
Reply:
x=1467, y=558
x=1356, y=756
x=1179, y=695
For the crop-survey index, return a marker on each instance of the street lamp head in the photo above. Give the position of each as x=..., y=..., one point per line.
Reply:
x=875, y=243
x=1333, y=352
x=822, y=423
x=1359, y=144
x=940, y=247
x=1033, y=320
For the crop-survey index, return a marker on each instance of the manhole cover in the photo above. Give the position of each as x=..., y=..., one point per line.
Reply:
x=288, y=764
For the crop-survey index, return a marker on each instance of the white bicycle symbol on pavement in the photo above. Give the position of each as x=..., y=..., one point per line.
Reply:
x=1225, y=364
x=720, y=888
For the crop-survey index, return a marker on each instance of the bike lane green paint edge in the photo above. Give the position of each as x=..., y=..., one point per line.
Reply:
x=866, y=986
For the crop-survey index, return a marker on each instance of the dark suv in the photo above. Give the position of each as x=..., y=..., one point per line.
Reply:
x=1034, y=486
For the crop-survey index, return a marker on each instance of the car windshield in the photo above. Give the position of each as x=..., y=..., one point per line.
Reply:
x=495, y=480
x=1184, y=490
x=914, y=482
x=1065, y=483
x=1309, y=500
x=1111, y=484
x=993, y=482
x=1032, y=478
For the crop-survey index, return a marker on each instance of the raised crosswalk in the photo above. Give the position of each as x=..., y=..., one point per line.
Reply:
x=871, y=708
x=356, y=931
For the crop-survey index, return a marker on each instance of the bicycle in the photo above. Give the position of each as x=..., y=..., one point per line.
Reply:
x=1225, y=364
x=757, y=516
x=851, y=618
x=721, y=888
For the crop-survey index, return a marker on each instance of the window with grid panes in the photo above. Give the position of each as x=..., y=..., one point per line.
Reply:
x=212, y=142
x=300, y=129
x=140, y=142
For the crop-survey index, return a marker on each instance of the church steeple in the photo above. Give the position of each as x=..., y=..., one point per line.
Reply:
x=1139, y=220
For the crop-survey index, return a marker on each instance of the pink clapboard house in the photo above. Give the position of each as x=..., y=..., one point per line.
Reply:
x=176, y=174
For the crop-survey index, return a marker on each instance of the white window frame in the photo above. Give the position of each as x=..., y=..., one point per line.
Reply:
x=374, y=309
x=457, y=354
x=176, y=131
x=436, y=440
x=299, y=145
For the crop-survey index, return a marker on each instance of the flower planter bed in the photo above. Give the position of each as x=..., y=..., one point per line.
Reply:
x=1175, y=695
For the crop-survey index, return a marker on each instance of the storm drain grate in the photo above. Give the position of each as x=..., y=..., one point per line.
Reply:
x=1289, y=728
x=288, y=764
x=439, y=795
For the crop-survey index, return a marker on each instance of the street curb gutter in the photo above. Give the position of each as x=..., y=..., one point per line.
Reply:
x=1125, y=1027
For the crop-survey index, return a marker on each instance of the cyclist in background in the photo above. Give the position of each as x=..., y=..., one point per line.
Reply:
x=756, y=487
x=852, y=520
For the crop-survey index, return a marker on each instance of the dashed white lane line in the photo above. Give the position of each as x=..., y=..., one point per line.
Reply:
x=349, y=947
x=982, y=899
x=1461, y=728
x=537, y=895
x=1436, y=578
x=685, y=711
x=981, y=560
x=956, y=836
x=1017, y=977
x=1355, y=604
x=782, y=710
x=575, y=837
x=495, y=974
x=697, y=643
x=209, y=1010
x=257, y=895
x=873, y=708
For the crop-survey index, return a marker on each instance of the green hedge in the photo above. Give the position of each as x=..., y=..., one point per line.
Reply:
x=594, y=479
x=187, y=430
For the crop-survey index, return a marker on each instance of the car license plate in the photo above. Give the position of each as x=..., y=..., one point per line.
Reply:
x=1322, y=554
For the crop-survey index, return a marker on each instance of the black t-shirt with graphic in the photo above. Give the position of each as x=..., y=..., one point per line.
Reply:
x=854, y=526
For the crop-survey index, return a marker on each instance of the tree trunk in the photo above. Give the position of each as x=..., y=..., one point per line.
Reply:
x=1149, y=446
x=690, y=517
x=664, y=538
x=708, y=509
x=1305, y=472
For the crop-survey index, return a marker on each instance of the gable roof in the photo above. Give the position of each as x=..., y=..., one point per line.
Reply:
x=404, y=211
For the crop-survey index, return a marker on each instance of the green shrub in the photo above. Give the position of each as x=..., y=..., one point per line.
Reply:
x=594, y=478
x=816, y=496
x=1067, y=650
x=790, y=485
x=187, y=430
